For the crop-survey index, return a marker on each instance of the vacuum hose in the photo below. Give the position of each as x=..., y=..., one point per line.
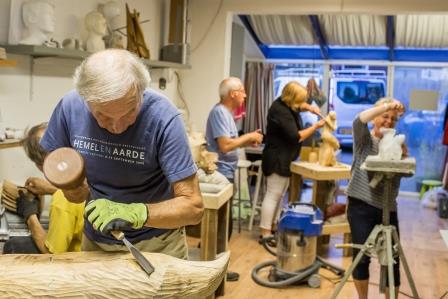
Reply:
x=278, y=284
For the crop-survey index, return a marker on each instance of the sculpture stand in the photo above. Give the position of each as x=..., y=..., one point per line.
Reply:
x=383, y=241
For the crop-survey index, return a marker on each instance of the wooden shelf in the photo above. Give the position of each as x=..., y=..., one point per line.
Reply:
x=42, y=51
x=7, y=63
x=8, y=143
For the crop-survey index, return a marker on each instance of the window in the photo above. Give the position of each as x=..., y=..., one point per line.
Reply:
x=360, y=92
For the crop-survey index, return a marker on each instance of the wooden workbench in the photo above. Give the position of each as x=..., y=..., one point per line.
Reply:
x=214, y=226
x=320, y=175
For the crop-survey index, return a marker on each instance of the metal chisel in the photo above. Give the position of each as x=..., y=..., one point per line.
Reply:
x=140, y=258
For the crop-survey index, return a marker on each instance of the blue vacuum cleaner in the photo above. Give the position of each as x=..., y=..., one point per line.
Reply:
x=297, y=262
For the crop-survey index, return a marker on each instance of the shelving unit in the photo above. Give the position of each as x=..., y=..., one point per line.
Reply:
x=43, y=51
x=9, y=143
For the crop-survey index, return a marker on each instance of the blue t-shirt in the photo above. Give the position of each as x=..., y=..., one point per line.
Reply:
x=136, y=166
x=220, y=123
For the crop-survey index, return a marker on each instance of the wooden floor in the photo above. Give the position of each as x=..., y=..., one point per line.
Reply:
x=426, y=253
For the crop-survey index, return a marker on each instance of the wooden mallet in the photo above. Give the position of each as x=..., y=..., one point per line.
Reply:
x=64, y=168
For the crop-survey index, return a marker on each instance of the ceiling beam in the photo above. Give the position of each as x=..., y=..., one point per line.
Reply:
x=248, y=25
x=390, y=36
x=314, y=19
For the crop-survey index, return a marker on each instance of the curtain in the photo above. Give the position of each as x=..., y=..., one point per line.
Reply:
x=422, y=31
x=354, y=30
x=259, y=85
x=283, y=30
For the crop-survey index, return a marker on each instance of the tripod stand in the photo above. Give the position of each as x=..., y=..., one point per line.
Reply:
x=379, y=243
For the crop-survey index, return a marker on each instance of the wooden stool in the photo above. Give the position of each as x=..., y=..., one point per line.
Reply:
x=428, y=185
x=242, y=164
x=256, y=203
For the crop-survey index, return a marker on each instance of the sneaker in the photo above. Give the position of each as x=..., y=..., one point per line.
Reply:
x=232, y=276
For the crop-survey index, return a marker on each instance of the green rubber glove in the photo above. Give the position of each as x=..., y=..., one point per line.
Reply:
x=106, y=215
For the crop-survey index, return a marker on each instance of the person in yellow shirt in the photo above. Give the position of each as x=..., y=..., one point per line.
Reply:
x=66, y=218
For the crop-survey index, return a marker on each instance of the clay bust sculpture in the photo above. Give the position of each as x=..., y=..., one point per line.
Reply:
x=327, y=155
x=38, y=18
x=96, y=26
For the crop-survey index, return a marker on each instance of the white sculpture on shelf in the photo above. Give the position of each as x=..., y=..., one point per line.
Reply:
x=39, y=20
x=111, y=11
x=390, y=146
x=96, y=26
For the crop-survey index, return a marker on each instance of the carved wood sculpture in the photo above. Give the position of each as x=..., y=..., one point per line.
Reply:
x=136, y=40
x=107, y=275
x=10, y=193
x=207, y=160
x=330, y=144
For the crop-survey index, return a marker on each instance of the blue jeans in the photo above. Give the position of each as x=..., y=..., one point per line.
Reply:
x=362, y=218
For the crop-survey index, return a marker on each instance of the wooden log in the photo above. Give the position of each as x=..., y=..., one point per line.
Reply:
x=107, y=275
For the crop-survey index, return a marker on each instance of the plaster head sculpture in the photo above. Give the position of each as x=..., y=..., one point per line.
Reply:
x=111, y=10
x=96, y=26
x=39, y=20
x=390, y=147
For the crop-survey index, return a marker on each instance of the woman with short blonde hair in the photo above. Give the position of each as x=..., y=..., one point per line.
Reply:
x=294, y=94
x=284, y=137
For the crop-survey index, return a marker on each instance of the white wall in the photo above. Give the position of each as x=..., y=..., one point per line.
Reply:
x=29, y=92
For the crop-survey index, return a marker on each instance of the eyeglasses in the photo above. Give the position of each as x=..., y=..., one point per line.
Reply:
x=241, y=91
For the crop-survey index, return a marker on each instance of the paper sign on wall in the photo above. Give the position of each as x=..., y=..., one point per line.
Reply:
x=423, y=99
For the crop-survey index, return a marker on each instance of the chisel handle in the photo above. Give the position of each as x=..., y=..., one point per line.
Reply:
x=119, y=235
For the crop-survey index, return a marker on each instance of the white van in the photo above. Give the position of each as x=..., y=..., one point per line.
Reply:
x=352, y=91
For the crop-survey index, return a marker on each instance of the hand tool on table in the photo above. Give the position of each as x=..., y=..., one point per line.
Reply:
x=64, y=168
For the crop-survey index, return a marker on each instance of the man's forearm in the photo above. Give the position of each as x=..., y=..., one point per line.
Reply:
x=38, y=233
x=184, y=209
x=234, y=143
x=174, y=213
